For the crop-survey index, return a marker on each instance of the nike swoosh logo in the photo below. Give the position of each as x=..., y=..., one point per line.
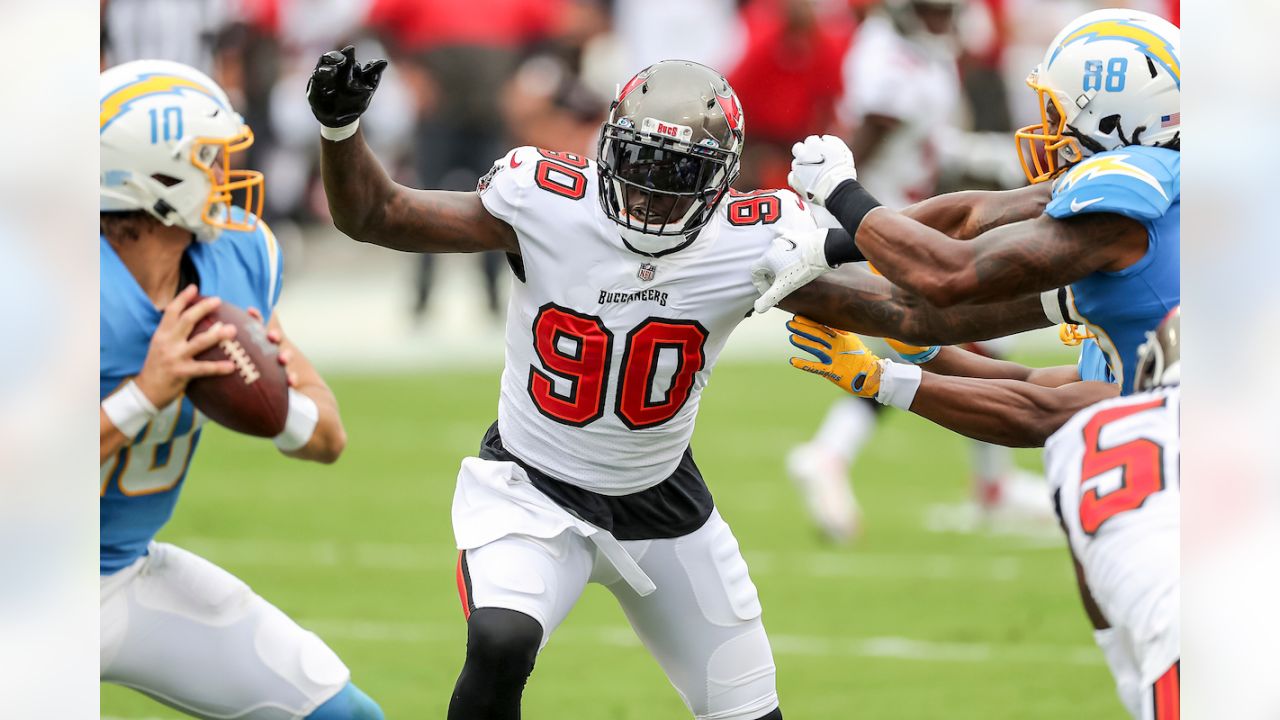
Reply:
x=1077, y=206
x=516, y=163
x=792, y=243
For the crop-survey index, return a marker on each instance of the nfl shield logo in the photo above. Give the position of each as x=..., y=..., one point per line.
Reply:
x=646, y=272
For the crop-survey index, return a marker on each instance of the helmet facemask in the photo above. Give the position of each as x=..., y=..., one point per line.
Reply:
x=1048, y=148
x=659, y=187
x=213, y=156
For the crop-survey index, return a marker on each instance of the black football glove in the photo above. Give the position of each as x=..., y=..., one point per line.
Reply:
x=340, y=88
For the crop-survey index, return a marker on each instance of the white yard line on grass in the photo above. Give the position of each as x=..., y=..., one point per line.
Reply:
x=408, y=557
x=891, y=648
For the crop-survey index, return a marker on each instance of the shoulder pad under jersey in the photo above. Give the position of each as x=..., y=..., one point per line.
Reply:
x=1137, y=182
x=259, y=253
x=504, y=190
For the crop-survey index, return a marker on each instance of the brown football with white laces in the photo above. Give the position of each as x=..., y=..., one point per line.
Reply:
x=254, y=399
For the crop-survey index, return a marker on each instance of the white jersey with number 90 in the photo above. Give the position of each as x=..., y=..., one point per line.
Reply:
x=608, y=350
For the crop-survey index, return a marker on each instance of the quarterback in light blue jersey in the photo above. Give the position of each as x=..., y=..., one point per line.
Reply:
x=1099, y=249
x=172, y=246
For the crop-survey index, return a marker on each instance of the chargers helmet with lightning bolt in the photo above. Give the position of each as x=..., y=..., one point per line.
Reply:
x=1111, y=78
x=668, y=151
x=167, y=134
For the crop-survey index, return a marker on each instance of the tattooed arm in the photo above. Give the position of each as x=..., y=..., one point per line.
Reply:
x=1004, y=263
x=368, y=206
x=968, y=214
x=853, y=299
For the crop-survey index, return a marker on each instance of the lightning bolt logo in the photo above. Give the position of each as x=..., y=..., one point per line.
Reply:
x=117, y=102
x=1151, y=44
x=1110, y=165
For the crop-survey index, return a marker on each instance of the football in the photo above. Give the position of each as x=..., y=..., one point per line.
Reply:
x=254, y=399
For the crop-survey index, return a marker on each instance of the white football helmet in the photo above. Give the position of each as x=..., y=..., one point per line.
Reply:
x=166, y=135
x=1111, y=78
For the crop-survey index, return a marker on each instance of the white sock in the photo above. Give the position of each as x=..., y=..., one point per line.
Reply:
x=846, y=428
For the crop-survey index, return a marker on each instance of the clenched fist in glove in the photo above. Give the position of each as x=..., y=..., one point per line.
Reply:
x=340, y=90
x=819, y=165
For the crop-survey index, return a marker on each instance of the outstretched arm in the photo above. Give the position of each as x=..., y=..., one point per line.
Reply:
x=851, y=298
x=966, y=215
x=962, y=363
x=365, y=203
x=368, y=206
x=1007, y=262
x=1006, y=412
x=1003, y=261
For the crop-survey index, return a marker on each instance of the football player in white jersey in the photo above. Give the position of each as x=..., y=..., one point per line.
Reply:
x=630, y=275
x=1113, y=471
x=1112, y=464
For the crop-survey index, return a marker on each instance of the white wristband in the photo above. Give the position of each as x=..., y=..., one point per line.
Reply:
x=898, y=384
x=129, y=409
x=340, y=133
x=299, y=424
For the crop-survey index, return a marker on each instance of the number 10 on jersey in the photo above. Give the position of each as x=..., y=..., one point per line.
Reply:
x=579, y=349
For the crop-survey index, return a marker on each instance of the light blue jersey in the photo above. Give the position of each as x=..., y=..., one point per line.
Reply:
x=1142, y=183
x=140, y=484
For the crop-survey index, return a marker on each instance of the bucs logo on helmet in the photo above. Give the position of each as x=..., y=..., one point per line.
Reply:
x=668, y=152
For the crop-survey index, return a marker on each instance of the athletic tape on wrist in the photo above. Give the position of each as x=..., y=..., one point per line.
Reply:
x=340, y=133
x=851, y=203
x=299, y=424
x=1053, y=302
x=129, y=409
x=898, y=384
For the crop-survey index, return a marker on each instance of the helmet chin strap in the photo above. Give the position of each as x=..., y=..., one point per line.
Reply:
x=649, y=238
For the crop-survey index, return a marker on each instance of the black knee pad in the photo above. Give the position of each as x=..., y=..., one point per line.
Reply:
x=502, y=642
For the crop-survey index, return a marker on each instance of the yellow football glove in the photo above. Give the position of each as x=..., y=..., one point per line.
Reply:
x=841, y=357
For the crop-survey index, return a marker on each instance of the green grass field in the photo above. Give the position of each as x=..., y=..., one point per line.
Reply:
x=906, y=624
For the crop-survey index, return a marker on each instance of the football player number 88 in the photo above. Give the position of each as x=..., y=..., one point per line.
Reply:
x=578, y=349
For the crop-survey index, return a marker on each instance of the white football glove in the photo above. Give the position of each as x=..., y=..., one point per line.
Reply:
x=793, y=260
x=819, y=165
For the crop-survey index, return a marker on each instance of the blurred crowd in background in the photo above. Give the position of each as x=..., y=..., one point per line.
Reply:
x=925, y=91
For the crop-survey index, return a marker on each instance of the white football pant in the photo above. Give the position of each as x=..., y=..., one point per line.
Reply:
x=522, y=552
x=195, y=637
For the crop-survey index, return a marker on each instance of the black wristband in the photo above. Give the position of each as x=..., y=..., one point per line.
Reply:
x=840, y=248
x=850, y=203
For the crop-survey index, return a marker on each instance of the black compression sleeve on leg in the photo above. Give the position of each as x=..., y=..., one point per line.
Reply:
x=501, y=648
x=840, y=248
x=775, y=715
x=850, y=203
